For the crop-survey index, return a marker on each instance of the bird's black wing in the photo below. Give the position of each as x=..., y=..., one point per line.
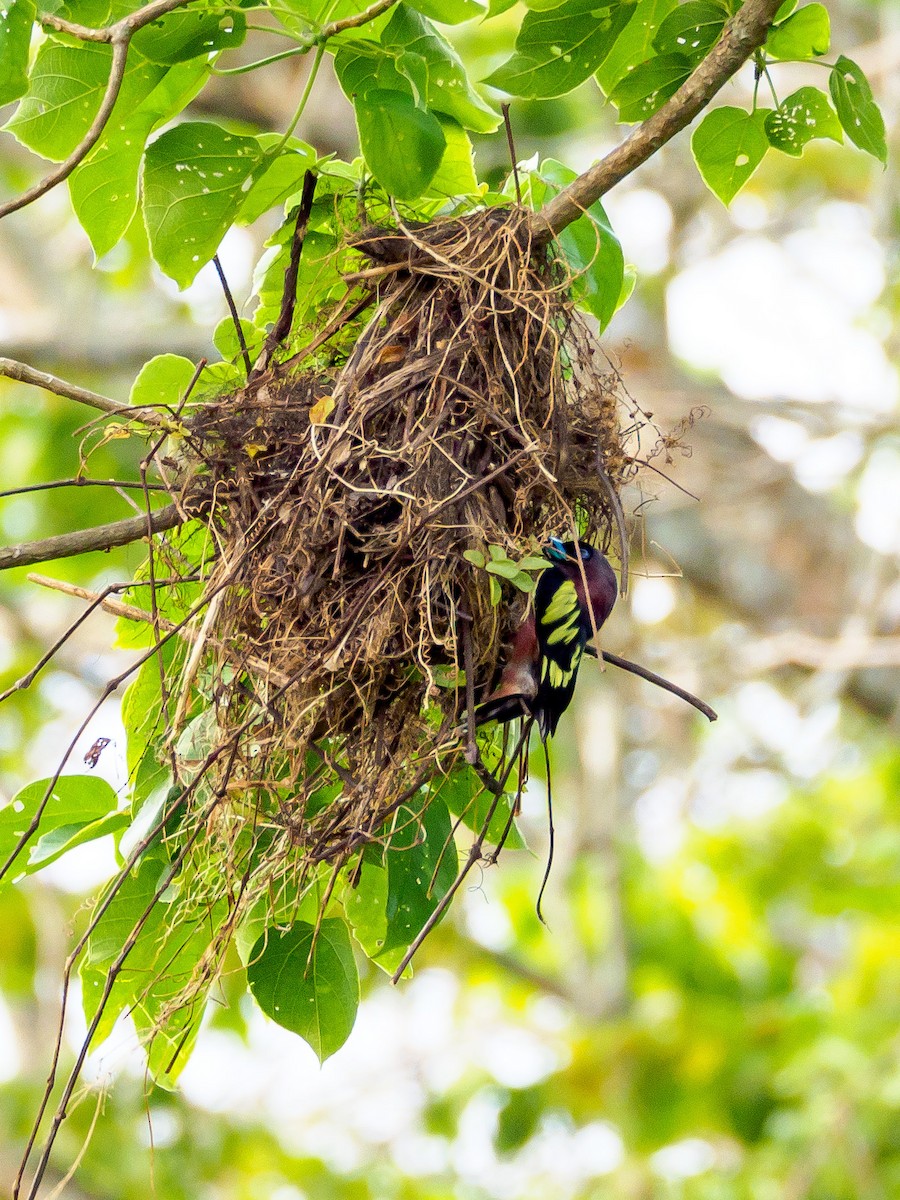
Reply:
x=561, y=636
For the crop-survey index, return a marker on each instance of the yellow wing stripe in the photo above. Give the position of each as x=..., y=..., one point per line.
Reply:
x=567, y=632
x=560, y=608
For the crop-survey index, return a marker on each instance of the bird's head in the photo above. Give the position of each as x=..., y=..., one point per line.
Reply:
x=560, y=552
x=593, y=570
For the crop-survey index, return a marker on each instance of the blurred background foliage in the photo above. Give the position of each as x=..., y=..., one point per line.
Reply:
x=711, y=1013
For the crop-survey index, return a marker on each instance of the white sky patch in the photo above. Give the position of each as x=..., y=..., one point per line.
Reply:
x=642, y=220
x=652, y=599
x=878, y=501
x=684, y=1159
x=780, y=320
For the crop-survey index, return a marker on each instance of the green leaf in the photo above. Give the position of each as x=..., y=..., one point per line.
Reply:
x=496, y=593
x=450, y=12
x=75, y=802
x=692, y=29
x=65, y=92
x=506, y=570
x=191, y=33
x=804, y=35
x=557, y=50
x=802, y=116
x=225, y=339
x=728, y=145
x=456, y=174
x=422, y=863
x=16, y=20
x=162, y=381
x=57, y=842
x=308, y=986
x=649, y=86
x=402, y=143
x=467, y=798
x=634, y=43
x=104, y=188
x=195, y=179
x=279, y=180
x=414, y=58
x=533, y=563
x=856, y=110
x=591, y=249
x=475, y=557
x=159, y=967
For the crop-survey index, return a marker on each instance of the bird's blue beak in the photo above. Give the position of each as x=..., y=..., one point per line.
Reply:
x=555, y=550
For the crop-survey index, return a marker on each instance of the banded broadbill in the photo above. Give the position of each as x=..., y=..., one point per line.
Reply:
x=540, y=673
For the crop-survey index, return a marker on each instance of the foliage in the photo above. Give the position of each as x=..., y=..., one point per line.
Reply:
x=151, y=943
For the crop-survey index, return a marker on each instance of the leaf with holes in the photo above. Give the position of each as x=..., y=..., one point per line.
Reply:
x=104, y=188
x=307, y=982
x=195, y=179
x=191, y=33
x=728, y=145
x=802, y=116
x=66, y=89
x=857, y=111
x=559, y=49
x=692, y=29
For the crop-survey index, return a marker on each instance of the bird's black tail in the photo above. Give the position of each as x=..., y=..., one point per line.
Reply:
x=502, y=708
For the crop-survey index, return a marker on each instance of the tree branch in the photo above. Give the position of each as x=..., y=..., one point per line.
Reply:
x=119, y=37
x=100, y=537
x=744, y=33
x=22, y=373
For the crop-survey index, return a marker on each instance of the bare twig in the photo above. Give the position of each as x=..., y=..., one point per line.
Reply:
x=119, y=37
x=22, y=373
x=80, y=481
x=282, y=326
x=99, y=537
x=236, y=320
x=510, y=141
x=645, y=673
x=744, y=33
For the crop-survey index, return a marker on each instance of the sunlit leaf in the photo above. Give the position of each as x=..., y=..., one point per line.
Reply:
x=858, y=113
x=306, y=981
x=806, y=34
x=728, y=146
x=402, y=143
x=649, y=86
x=195, y=179
x=557, y=50
x=16, y=20
x=75, y=802
x=802, y=116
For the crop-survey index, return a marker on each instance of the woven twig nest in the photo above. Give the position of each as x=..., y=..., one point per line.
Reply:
x=473, y=410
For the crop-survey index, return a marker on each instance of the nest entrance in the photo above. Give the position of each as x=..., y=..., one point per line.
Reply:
x=473, y=410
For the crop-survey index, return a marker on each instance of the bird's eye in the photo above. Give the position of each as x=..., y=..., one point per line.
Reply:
x=585, y=553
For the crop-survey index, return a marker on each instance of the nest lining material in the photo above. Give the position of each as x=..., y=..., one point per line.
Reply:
x=472, y=410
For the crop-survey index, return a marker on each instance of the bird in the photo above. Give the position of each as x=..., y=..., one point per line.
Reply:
x=538, y=679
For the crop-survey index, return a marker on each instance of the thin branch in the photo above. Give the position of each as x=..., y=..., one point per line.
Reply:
x=119, y=37
x=236, y=320
x=99, y=537
x=744, y=33
x=645, y=673
x=282, y=326
x=22, y=373
x=80, y=481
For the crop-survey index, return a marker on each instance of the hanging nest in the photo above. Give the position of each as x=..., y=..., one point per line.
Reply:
x=473, y=410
